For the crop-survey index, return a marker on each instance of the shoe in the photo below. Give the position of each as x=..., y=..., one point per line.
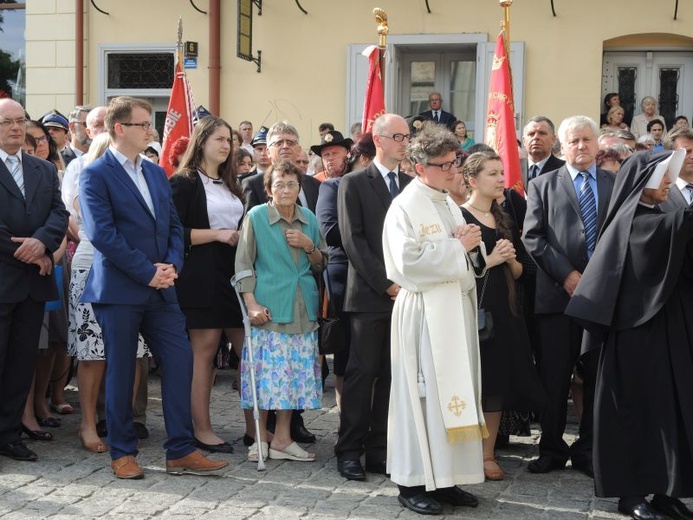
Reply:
x=49, y=422
x=351, y=469
x=671, y=507
x=379, y=467
x=94, y=447
x=292, y=452
x=584, y=467
x=194, y=464
x=252, y=451
x=300, y=433
x=224, y=447
x=455, y=496
x=493, y=471
x=62, y=409
x=37, y=435
x=126, y=467
x=101, y=429
x=248, y=440
x=641, y=511
x=423, y=503
x=141, y=430
x=544, y=464
x=18, y=451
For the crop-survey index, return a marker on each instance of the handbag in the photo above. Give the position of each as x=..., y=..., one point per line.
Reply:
x=484, y=317
x=331, y=335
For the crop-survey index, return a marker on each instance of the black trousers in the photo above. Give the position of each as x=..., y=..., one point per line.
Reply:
x=20, y=328
x=366, y=394
x=560, y=339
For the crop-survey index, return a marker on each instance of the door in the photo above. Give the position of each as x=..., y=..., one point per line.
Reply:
x=666, y=76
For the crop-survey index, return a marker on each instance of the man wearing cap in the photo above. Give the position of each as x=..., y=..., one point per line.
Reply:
x=333, y=150
x=58, y=126
x=79, y=137
x=254, y=189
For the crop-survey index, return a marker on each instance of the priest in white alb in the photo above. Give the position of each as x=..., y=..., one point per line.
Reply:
x=435, y=421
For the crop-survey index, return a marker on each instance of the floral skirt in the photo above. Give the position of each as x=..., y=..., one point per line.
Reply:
x=84, y=338
x=287, y=373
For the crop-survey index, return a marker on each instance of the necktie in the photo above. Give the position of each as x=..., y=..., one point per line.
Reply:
x=394, y=190
x=689, y=187
x=533, y=171
x=588, y=208
x=15, y=168
x=435, y=116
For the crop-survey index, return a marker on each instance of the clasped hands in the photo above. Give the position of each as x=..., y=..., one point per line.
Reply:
x=164, y=277
x=33, y=251
x=469, y=236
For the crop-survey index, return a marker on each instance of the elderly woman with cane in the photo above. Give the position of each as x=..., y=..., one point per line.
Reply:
x=281, y=244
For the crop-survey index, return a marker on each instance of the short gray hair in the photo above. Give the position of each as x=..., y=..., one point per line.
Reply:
x=281, y=127
x=573, y=123
x=74, y=115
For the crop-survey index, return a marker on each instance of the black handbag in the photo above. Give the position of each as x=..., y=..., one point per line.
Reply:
x=484, y=318
x=331, y=335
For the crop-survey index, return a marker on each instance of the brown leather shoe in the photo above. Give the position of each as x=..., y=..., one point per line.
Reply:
x=194, y=464
x=126, y=467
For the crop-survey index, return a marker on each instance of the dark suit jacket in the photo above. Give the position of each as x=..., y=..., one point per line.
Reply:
x=127, y=239
x=40, y=215
x=255, y=194
x=446, y=118
x=676, y=200
x=204, y=263
x=554, y=233
x=553, y=163
x=362, y=202
x=327, y=213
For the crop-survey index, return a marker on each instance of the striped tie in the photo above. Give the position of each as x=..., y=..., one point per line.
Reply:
x=588, y=209
x=15, y=168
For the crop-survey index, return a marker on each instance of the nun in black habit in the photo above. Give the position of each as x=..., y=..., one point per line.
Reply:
x=636, y=301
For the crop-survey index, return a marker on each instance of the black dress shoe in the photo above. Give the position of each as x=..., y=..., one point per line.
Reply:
x=300, y=433
x=224, y=447
x=455, y=496
x=584, y=467
x=545, y=464
x=671, y=507
x=641, y=511
x=379, y=467
x=101, y=429
x=351, y=469
x=141, y=430
x=423, y=503
x=18, y=451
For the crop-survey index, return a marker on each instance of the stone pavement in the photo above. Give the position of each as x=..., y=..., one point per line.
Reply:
x=71, y=483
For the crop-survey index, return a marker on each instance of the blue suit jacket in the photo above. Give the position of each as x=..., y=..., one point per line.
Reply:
x=127, y=239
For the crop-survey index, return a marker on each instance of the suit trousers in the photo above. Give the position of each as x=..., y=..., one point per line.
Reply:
x=139, y=407
x=20, y=328
x=560, y=340
x=366, y=393
x=162, y=326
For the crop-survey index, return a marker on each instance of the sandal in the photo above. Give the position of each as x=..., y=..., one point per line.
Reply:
x=252, y=451
x=49, y=422
x=62, y=409
x=95, y=447
x=494, y=473
x=37, y=435
x=292, y=452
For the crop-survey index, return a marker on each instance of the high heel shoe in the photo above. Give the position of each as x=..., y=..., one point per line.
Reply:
x=37, y=435
x=94, y=447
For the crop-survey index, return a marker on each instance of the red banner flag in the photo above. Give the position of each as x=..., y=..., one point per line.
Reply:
x=500, y=118
x=374, y=105
x=179, y=117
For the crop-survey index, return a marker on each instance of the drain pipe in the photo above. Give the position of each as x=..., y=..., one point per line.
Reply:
x=214, y=56
x=79, y=52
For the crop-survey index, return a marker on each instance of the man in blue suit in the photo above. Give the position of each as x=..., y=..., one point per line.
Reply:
x=130, y=219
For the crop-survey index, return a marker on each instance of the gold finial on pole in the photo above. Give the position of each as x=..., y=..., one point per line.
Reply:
x=383, y=29
x=505, y=24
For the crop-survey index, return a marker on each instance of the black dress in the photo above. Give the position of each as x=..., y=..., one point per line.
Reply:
x=508, y=376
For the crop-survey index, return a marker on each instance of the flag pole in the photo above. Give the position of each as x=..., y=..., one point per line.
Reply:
x=382, y=29
x=505, y=24
x=179, y=45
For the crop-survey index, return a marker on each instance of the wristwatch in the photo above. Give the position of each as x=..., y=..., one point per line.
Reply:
x=312, y=250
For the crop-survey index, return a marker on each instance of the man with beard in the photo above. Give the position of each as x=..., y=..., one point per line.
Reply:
x=334, y=151
x=80, y=139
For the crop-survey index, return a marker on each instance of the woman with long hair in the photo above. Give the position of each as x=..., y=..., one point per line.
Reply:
x=209, y=201
x=509, y=379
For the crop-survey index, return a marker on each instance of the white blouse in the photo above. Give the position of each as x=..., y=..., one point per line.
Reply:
x=224, y=209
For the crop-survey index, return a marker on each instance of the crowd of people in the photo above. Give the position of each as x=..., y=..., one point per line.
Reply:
x=465, y=309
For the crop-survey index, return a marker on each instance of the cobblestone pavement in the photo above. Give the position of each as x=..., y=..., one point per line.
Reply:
x=71, y=483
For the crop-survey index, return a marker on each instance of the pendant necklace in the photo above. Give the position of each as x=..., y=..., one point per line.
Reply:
x=485, y=213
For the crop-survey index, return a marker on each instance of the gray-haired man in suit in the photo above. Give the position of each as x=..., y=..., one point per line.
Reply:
x=682, y=196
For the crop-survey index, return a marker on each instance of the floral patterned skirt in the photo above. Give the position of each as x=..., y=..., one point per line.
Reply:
x=84, y=337
x=287, y=373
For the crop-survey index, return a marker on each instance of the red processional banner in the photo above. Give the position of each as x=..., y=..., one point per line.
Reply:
x=500, y=118
x=179, y=117
x=374, y=105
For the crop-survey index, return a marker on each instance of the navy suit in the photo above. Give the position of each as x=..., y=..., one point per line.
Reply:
x=40, y=214
x=445, y=118
x=128, y=241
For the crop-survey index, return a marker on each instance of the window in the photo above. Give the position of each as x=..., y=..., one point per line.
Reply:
x=12, y=62
x=140, y=70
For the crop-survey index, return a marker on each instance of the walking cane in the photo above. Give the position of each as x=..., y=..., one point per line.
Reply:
x=248, y=344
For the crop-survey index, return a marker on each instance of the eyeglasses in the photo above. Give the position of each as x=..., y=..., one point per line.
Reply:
x=7, y=123
x=398, y=138
x=281, y=186
x=42, y=139
x=144, y=126
x=446, y=165
x=284, y=142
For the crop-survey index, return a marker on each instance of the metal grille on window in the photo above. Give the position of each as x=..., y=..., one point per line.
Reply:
x=668, y=97
x=626, y=90
x=140, y=70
